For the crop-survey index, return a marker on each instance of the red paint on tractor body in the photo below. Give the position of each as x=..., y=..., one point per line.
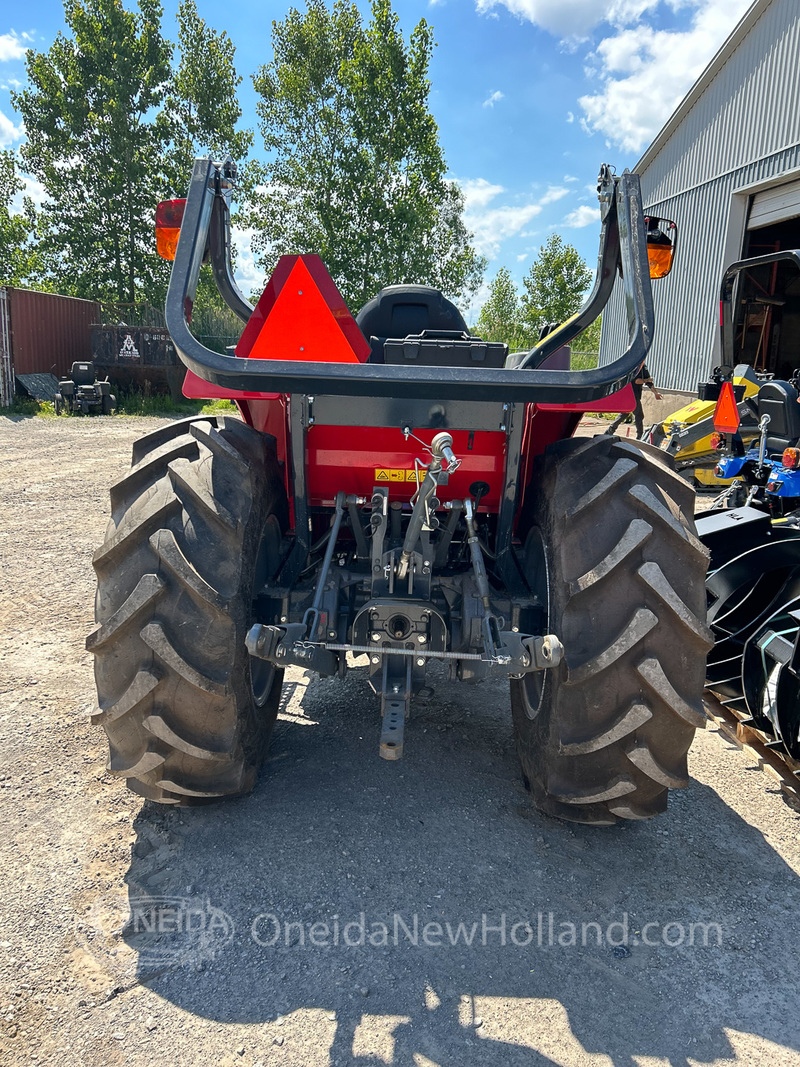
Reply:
x=356, y=459
x=301, y=315
x=623, y=400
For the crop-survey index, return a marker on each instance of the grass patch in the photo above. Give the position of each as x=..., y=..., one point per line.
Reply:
x=219, y=407
x=139, y=403
x=133, y=403
x=22, y=405
x=27, y=408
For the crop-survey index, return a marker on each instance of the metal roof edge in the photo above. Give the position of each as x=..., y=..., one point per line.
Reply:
x=737, y=35
x=45, y=292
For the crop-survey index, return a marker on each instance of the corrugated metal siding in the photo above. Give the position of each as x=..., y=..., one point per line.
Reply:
x=49, y=332
x=743, y=129
x=749, y=111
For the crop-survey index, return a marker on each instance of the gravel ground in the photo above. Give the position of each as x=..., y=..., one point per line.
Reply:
x=207, y=971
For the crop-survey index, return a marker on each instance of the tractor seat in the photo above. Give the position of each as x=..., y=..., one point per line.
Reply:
x=83, y=373
x=415, y=325
x=779, y=400
x=400, y=310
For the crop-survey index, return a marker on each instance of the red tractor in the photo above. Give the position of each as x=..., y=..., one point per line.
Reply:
x=399, y=489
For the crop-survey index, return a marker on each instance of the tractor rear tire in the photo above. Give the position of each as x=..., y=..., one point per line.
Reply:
x=612, y=544
x=196, y=530
x=107, y=404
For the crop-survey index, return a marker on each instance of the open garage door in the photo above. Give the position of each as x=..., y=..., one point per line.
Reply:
x=778, y=204
x=768, y=313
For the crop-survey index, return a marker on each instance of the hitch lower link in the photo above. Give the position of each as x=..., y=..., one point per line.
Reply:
x=399, y=629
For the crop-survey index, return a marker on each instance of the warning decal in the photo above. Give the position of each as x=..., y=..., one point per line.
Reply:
x=387, y=474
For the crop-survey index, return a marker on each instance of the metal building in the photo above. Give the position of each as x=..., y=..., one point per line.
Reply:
x=726, y=168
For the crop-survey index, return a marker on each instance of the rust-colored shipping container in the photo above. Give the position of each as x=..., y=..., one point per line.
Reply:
x=48, y=333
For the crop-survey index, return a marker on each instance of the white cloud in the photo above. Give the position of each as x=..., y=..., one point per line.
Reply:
x=478, y=192
x=12, y=46
x=554, y=192
x=495, y=98
x=491, y=225
x=249, y=276
x=570, y=178
x=574, y=18
x=522, y=257
x=9, y=133
x=570, y=117
x=582, y=216
x=647, y=72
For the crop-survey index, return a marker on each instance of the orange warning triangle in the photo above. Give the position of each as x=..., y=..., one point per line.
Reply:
x=301, y=315
x=726, y=413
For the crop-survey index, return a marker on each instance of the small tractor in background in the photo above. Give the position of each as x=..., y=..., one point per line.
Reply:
x=686, y=434
x=396, y=492
x=754, y=574
x=768, y=471
x=82, y=391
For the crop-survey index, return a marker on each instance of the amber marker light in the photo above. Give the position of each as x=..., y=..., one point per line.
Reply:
x=169, y=216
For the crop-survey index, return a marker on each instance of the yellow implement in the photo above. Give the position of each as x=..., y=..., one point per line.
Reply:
x=688, y=446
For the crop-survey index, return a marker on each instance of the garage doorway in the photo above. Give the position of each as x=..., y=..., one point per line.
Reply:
x=767, y=334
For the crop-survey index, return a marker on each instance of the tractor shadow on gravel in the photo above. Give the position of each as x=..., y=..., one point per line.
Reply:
x=334, y=835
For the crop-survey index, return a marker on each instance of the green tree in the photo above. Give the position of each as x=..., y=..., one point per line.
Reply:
x=554, y=286
x=112, y=129
x=18, y=259
x=201, y=115
x=93, y=144
x=586, y=346
x=201, y=110
x=356, y=172
x=500, y=317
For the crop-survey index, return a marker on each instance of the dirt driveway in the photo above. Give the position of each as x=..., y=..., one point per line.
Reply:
x=317, y=921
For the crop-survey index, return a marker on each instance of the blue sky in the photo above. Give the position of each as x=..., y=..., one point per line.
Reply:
x=530, y=97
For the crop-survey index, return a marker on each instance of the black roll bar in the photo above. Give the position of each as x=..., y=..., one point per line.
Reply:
x=623, y=250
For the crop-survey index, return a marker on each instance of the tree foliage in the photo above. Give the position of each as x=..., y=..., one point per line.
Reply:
x=111, y=130
x=500, y=317
x=554, y=286
x=553, y=290
x=93, y=146
x=201, y=108
x=356, y=172
x=18, y=258
x=588, y=341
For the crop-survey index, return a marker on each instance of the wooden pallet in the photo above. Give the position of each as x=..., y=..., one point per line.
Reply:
x=778, y=766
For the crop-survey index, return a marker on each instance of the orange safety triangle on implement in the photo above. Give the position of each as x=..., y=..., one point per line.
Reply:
x=726, y=413
x=301, y=315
